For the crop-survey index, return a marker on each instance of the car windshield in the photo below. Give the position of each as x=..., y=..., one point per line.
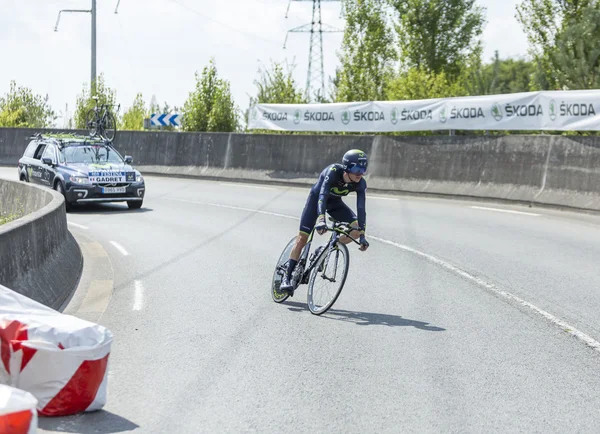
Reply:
x=91, y=154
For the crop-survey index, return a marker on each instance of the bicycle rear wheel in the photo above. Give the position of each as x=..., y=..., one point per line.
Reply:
x=110, y=128
x=280, y=270
x=327, y=278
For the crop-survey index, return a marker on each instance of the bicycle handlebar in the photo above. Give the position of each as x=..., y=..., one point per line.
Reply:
x=344, y=230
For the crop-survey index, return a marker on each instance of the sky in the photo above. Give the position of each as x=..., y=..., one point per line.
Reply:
x=155, y=47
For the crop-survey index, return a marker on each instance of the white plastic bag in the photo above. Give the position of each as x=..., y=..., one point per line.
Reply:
x=18, y=413
x=60, y=359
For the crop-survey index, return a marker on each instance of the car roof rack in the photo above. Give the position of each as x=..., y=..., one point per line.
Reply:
x=63, y=139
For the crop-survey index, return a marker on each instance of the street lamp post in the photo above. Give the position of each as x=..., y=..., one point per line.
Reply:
x=93, y=12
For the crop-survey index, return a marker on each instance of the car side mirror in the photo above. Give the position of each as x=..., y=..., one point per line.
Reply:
x=47, y=161
x=128, y=159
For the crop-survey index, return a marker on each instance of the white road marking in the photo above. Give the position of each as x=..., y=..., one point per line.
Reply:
x=237, y=208
x=588, y=340
x=77, y=225
x=369, y=197
x=138, y=300
x=233, y=184
x=119, y=248
x=493, y=288
x=505, y=210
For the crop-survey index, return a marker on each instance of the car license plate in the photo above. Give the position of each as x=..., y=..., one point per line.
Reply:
x=113, y=190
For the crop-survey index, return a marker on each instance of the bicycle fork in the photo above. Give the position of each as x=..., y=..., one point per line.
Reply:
x=328, y=254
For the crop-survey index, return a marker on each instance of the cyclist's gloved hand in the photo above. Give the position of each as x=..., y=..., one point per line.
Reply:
x=364, y=244
x=321, y=226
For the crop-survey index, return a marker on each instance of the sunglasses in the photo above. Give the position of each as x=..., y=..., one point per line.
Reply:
x=358, y=170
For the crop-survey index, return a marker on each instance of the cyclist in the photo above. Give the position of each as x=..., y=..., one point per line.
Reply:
x=335, y=181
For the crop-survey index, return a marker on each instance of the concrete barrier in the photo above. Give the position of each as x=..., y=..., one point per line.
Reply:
x=561, y=171
x=38, y=255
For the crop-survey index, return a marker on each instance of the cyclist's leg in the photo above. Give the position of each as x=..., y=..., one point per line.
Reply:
x=307, y=223
x=343, y=213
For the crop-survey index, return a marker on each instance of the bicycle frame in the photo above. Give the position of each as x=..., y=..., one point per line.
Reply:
x=338, y=229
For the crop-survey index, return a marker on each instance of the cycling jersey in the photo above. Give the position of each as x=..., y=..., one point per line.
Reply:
x=326, y=196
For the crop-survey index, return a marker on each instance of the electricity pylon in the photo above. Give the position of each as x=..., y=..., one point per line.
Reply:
x=315, y=80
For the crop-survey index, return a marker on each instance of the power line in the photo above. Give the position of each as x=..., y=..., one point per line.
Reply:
x=221, y=23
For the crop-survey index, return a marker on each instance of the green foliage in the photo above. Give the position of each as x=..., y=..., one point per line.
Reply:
x=210, y=107
x=276, y=86
x=7, y=218
x=498, y=77
x=133, y=118
x=85, y=103
x=420, y=83
x=438, y=35
x=577, y=53
x=554, y=29
x=368, y=53
x=21, y=108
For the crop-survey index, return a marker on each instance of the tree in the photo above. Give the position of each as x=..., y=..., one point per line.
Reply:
x=368, y=55
x=85, y=103
x=545, y=22
x=438, y=35
x=276, y=86
x=210, y=107
x=133, y=118
x=21, y=108
x=498, y=77
x=576, y=56
x=420, y=83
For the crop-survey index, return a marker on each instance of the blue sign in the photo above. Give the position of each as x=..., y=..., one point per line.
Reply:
x=165, y=120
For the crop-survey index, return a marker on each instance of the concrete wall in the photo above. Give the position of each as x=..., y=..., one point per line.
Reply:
x=538, y=169
x=39, y=258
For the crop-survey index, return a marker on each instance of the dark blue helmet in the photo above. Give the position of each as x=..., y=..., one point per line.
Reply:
x=355, y=161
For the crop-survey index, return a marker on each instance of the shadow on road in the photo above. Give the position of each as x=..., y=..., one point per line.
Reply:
x=367, y=318
x=97, y=422
x=106, y=208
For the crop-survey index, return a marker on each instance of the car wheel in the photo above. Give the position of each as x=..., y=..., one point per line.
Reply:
x=60, y=189
x=134, y=204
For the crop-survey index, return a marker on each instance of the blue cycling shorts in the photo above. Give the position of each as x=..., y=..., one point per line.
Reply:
x=336, y=208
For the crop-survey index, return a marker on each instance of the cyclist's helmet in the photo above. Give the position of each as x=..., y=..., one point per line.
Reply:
x=355, y=161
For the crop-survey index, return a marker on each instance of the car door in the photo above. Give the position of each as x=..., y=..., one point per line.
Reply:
x=25, y=161
x=35, y=167
x=49, y=171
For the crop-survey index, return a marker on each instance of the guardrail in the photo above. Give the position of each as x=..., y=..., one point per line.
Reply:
x=38, y=255
x=540, y=169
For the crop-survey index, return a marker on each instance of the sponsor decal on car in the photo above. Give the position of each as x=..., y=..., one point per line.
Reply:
x=106, y=176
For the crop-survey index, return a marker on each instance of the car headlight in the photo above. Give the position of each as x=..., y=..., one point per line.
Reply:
x=139, y=178
x=80, y=179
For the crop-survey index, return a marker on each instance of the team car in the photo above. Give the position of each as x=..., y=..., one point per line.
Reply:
x=83, y=169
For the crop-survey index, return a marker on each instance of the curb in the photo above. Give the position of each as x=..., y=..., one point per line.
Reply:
x=90, y=299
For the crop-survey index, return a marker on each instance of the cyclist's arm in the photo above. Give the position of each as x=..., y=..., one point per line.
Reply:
x=329, y=179
x=361, y=207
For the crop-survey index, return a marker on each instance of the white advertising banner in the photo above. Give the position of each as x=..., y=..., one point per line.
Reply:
x=537, y=111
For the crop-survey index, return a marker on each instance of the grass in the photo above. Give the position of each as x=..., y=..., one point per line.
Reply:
x=8, y=218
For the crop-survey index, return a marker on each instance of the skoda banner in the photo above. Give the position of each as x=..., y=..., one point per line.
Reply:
x=577, y=110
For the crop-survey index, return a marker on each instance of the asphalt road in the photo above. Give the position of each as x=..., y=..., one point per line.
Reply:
x=462, y=317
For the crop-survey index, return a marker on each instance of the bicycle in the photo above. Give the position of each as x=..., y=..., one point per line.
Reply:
x=320, y=270
x=101, y=122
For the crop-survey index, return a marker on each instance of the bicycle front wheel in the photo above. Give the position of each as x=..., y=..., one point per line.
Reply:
x=327, y=278
x=90, y=122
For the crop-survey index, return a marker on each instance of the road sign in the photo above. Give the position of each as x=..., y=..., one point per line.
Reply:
x=165, y=120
